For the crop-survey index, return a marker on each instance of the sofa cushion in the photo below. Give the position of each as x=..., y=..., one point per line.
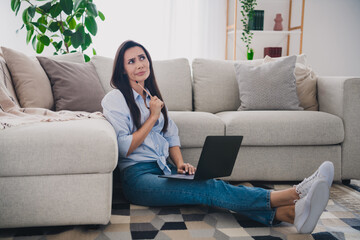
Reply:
x=215, y=86
x=50, y=148
x=270, y=86
x=270, y=128
x=173, y=78
x=76, y=86
x=104, y=68
x=195, y=126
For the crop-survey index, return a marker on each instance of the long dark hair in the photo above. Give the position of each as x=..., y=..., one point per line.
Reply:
x=120, y=81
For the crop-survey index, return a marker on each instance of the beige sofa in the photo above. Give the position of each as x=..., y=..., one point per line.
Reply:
x=60, y=173
x=55, y=173
x=277, y=145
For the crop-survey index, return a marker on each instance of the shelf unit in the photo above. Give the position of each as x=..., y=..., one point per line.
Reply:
x=292, y=30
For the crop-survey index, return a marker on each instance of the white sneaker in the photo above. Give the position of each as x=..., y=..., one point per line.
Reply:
x=309, y=209
x=325, y=171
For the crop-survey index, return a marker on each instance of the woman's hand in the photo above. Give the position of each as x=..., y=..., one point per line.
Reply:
x=155, y=106
x=186, y=168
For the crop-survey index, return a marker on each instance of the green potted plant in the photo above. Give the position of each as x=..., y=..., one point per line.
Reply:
x=67, y=25
x=247, y=12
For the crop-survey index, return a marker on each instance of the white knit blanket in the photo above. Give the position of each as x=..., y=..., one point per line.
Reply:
x=12, y=115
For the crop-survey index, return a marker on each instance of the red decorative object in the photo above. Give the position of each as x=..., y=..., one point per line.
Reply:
x=273, y=51
x=278, y=22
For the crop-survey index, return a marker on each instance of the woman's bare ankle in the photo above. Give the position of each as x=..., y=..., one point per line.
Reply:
x=285, y=214
x=295, y=194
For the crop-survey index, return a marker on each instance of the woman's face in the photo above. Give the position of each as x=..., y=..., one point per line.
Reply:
x=136, y=64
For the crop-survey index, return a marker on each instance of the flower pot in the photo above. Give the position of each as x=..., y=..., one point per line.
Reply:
x=250, y=54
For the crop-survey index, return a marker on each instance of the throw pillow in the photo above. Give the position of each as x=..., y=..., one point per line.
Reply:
x=76, y=57
x=305, y=83
x=270, y=86
x=30, y=81
x=76, y=86
x=5, y=81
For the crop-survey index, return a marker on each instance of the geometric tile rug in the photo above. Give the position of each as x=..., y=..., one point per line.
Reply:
x=341, y=220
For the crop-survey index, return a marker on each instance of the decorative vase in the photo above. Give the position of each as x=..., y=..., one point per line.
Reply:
x=250, y=54
x=278, y=22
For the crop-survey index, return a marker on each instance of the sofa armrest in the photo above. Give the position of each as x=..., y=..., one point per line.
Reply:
x=341, y=96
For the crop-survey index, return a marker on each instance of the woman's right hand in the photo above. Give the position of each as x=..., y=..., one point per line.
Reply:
x=155, y=106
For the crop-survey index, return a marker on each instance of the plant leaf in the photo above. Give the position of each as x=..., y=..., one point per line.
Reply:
x=55, y=10
x=39, y=47
x=42, y=20
x=67, y=39
x=31, y=11
x=78, y=4
x=42, y=28
x=29, y=26
x=54, y=26
x=78, y=37
x=87, y=58
x=55, y=46
x=17, y=8
x=78, y=25
x=101, y=15
x=79, y=13
x=29, y=35
x=68, y=33
x=34, y=42
x=67, y=6
x=46, y=7
x=60, y=44
x=91, y=25
x=72, y=23
x=14, y=4
x=45, y=40
x=36, y=24
x=25, y=16
x=94, y=51
x=92, y=9
x=87, y=42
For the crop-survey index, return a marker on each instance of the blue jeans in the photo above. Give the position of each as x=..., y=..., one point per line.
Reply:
x=142, y=186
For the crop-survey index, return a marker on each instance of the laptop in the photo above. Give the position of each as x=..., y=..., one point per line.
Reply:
x=217, y=158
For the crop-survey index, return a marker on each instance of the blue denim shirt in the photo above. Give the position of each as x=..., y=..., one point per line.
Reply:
x=156, y=144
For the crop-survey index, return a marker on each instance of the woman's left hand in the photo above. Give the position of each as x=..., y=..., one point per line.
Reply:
x=186, y=168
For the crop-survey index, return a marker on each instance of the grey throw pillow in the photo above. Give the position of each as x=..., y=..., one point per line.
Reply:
x=270, y=86
x=75, y=86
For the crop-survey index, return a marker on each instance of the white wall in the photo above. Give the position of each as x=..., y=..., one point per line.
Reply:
x=9, y=23
x=331, y=38
x=331, y=32
x=111, y=33
x=167, y=28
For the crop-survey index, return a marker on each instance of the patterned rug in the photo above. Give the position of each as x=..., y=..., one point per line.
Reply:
x=341, y=220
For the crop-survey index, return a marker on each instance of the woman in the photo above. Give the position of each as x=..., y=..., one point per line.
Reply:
x=147, y=137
